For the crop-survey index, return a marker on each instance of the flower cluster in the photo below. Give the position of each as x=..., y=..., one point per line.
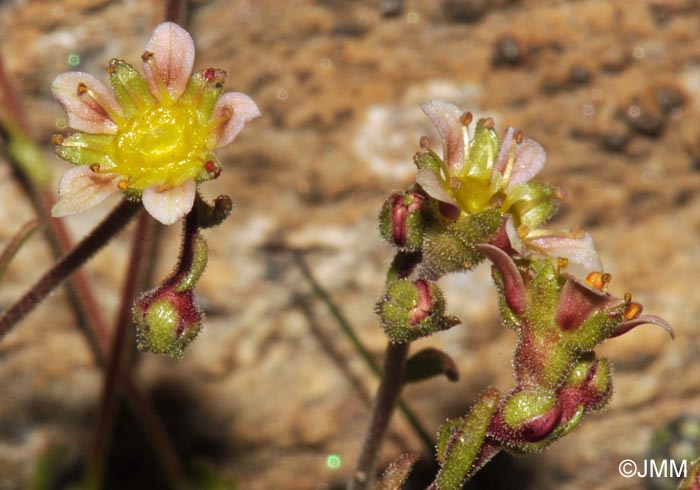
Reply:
x=480, y=200
x=153, y=136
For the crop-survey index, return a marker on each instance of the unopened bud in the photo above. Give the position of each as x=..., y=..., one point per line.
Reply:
x=401, y=221
x=527, y=416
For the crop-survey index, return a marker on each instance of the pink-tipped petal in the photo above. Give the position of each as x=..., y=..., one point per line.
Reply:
x=516, y=242
x=80, y=188
x=580, y=251
x=238, y=108
x=529, y=160
x=504, y=153
x=446, y=118
x=169, y=205
x=628, y=325
x=88, y=107
x=172, y=51
x=513, y=284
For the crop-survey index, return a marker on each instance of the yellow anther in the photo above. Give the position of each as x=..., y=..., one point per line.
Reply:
x=57, y=139
x=123, y=185
x=562, y=263
x=599, y=280
x=523, y=231
x=632, y=311
x=95, y=167
x=628, y=297
x=82, y=88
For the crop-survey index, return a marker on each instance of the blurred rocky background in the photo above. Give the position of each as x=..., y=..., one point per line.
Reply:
x=272, y=394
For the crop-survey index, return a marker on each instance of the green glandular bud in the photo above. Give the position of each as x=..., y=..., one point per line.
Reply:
x=413, y=309
x=401, y=220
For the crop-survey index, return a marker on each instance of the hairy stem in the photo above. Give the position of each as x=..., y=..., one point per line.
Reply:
x=387, y=395
x=16, y=243
x=103, y=233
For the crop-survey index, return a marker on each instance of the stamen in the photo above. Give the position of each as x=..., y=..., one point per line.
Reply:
x=599, y=280
x=632, y=311
x=560, y=194
x=523, y=231
x=209, y=74
x=628, y=297
x=99, y=104
x=577, y=233
x=95, y=167
x=148, y=58
x=123, y=184
x=562, y=264
x=489, y=123
x=519, y=136
x=424, y=142
x=57, y=139
x=466, y=118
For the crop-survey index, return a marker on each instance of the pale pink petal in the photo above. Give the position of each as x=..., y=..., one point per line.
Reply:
x=529, y=160
x=80, y=188
x=172, y=58
x=446, y=118
x=169, y=205
x=432, y=186
x=238, y=108
x=513, y=284
x=578, y=301
x=516, y=242
x=579, y=251
x=88, y=110
x=504, y=153
x=628, y=325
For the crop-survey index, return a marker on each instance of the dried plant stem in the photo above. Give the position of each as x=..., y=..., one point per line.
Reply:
x=104, y=232
x=16, y=243
x=387, y=395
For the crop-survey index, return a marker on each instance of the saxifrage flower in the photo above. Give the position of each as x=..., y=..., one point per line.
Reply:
x=153, y=136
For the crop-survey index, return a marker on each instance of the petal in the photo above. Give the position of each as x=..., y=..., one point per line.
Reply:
x=432, y=186
x=236, y=109
x=513, y=284
x=446, y=118
x=580, y=251
x=172, y=58
x=90, y=110
x=504, y=153
x=168, y=206
x=529, y=160
x=80, y=188
x=628, y=325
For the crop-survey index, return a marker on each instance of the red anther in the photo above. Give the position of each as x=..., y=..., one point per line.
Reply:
x=489, y=123
x=519, y=136
x=210, y=166
x=209, y=74
x=147, y=55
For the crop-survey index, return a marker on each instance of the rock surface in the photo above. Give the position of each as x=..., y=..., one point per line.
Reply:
x=271, y=388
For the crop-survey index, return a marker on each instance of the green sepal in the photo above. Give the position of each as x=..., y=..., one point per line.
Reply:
x=130, y=88
x=452, y=247
x=543, y=295
x=483, y=151
x=429, y=161
x=531, y=203
x=429, y=363
x=86, y=149
x=593, y=330
x=460, y=441
x=522, y=406
x=203, y=90
x=558, y=433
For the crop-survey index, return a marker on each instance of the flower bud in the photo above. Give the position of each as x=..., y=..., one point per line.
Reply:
x=589, y=385
x=166, y=320
x=527, y=415
x=401, y=221
x=413, y=309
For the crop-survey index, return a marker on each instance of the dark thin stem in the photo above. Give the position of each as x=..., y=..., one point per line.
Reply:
x=349, y=332
x=104, y=232
x=176, y=11
x=385, y=402
x=118, y=362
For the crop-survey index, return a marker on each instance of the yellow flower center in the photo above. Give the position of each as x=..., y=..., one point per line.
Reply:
x=163, y=145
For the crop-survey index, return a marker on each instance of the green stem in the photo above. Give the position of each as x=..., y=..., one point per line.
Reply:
x=349, y=332
x=385, y=402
